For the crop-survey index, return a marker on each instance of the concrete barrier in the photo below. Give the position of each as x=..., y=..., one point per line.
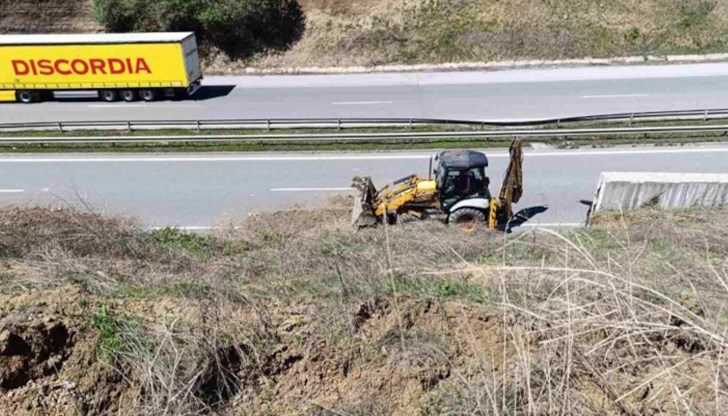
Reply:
x=632, y=190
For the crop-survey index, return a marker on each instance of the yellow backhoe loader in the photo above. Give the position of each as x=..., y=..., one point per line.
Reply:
x=459, y=191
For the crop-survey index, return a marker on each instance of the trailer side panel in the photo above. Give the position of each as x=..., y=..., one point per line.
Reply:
x=92, y=66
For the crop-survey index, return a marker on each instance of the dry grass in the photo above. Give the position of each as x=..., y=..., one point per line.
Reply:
x=47, y=16
x=294, y=313
x=429, y=31
x=372, y=32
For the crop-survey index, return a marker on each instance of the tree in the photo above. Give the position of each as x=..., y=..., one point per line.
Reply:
x=239, y=28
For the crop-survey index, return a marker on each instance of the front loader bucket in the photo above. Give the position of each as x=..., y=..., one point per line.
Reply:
x=362, y=213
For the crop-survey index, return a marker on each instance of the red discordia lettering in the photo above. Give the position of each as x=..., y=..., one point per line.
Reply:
x=95, y=66
x=98, y=66
x=79, y=67
x=142, y=66
x=57, y=66
x=20, y=67
x=46, y=68
x=116, y=66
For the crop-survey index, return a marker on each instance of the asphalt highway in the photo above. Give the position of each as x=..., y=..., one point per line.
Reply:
x=496, y=95
x=202, y=190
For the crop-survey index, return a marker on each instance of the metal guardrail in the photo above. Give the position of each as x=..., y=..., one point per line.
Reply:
x=374, y=137
x=342, y=123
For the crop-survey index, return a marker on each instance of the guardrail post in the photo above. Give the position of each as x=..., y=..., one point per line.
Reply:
x=267, y=125
x=338, y=124
x=558, y=123
x=60, y=126
x=631, y=118
x=705, y=118
x=198, y=126
x=128, y=126
x=410, y=124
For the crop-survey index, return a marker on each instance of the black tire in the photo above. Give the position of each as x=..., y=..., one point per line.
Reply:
x=128, y=95
x=468, y=219
x=392, y=218
x=25, y=96
x=109, y=95
x=148, y=95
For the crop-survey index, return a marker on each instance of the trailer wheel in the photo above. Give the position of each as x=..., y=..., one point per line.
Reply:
x=148, y=95
x=467, y=219
x=109, y=95
x=128, y=95
x=25, y=97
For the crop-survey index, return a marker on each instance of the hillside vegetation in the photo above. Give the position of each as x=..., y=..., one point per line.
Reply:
x=372, y=32
x=47, y=16
x=294, y=313
x=239, y=28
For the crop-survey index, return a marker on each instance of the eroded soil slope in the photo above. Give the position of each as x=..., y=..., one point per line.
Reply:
x=293, y=313
x=47, y=16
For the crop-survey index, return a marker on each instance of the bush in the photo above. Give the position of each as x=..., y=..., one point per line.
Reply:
x=239, y=28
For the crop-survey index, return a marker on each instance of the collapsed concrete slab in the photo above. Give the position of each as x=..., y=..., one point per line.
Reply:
x=632, y=190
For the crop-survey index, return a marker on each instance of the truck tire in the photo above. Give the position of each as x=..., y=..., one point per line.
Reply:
x=148, y=94
x=109, y=95
x=467, y=219
x=25, y=96
x=128, y=95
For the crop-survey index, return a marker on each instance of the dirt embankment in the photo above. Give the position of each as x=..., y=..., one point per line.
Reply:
x=343, y=33
x=293, y=313
x=47, y=16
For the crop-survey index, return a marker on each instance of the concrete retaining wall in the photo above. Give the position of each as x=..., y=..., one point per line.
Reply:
x=632, y=190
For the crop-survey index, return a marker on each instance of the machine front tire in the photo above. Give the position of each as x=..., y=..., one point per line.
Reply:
x=467, y=219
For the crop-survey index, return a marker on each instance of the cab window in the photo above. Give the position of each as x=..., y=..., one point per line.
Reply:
x=458, y=184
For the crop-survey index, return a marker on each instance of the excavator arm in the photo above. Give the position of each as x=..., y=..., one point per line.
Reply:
x=512, y=187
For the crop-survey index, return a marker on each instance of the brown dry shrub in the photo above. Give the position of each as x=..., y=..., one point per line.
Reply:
x=315, y=318
x=31, y=231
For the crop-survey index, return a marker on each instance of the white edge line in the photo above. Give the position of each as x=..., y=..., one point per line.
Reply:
x=361, y=102
x=616, y=96
x=212, y=159
x=187, y=228
x=116, y=105
x=211, y=227
x=344, y=158
x=12, y=191
x=311, y=189
x=554, y=225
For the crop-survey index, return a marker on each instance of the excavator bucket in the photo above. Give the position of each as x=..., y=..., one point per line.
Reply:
x=362, y=214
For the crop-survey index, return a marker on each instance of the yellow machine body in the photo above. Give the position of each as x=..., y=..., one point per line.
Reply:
x=415, y=195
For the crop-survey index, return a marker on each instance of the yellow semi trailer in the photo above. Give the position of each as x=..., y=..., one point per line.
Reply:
x=123, y=66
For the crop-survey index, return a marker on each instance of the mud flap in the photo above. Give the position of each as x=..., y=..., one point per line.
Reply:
x=362, y=213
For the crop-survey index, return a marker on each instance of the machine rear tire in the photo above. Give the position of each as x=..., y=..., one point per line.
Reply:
x=467, y=219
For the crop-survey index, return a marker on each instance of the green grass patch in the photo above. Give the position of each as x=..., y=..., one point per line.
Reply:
x=441, y=289
x=203, y=246
x=118, y=333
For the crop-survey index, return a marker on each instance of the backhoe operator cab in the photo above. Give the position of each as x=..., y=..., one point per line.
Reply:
x=462, y=186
